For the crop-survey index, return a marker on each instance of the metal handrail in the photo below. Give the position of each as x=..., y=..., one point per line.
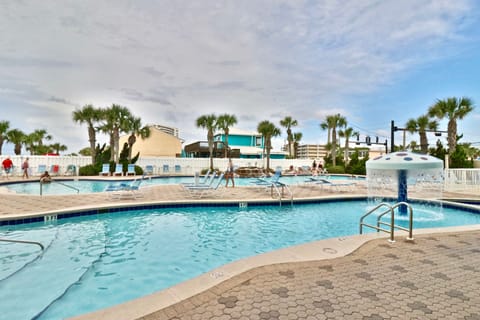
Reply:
x=280, y=194
x=392, y=223
x=24, y=241
x=63, y=184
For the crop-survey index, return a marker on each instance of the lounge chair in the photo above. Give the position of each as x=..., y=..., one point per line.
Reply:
x=71, y=170
x=41, y=169
x=338, y=186
x=131, y=170
x=166, y=168
x=118, y=170
x=267, y=181
x=148, y=169
x=178, y=168
x=125, y=190
x=105, y=170
x=201, y=191
x=206, y=181
x=54, y=170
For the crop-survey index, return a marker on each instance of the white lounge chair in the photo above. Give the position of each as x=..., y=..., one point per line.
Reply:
x=201, y=191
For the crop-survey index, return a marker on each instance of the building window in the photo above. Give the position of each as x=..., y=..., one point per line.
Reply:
x=258, y=141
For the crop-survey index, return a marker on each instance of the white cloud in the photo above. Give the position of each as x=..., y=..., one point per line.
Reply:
x=171, y=62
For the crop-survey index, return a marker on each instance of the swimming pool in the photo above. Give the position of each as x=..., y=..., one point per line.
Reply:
x=97, y=261
x=89, y=186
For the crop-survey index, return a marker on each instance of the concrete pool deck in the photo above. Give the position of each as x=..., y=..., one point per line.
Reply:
x=437, y=276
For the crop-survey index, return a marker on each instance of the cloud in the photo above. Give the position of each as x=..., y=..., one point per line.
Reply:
x=171, y=62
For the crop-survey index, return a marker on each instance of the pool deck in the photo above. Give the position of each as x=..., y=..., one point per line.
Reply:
x=436, y=276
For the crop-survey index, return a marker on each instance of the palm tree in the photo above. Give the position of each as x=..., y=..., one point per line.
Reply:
x=334, y=121
x=34, y=141
x=89, y=115
x=224, y=122
x=16, y=137
x=57, y=147
x=420, y=125
x=136, y=130
x=297, y=136
x=268, y=131
x=116, y=119
x=4, y=126
x=347, y=133
x=453, y=109
x=288, y=123
x=208, y=122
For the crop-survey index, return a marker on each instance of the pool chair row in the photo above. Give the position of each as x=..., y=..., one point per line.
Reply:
x=165, y=169
x=118, y=170
x=124, y=190
x=55, y=170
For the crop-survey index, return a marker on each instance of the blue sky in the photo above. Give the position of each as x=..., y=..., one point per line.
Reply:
x=170, y=62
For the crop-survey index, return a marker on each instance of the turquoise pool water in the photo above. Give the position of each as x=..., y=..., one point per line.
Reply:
x=89, y=186
x=98, y=261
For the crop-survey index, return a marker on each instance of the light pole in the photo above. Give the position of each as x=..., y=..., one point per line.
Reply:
x=393, y=129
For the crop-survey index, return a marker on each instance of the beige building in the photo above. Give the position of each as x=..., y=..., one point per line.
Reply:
x=159, y=144
x=311, y=151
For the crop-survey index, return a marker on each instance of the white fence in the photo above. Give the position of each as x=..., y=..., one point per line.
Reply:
x=455, y=179
x=162, y=166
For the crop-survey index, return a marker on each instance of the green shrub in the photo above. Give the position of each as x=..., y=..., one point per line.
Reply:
x=89, y=170
x=336, y=169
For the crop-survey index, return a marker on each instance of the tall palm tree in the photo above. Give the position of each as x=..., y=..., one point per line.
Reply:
x=91, y=116
x=224, y=122
x=334, y=122
x=297, y=136
x=347, y=133
x=453, y=109
x=136, y=129
x=288, y=123
x=268, y=131
x=16, y=137
x=115, y=120
x=420, y=125
x=4, y=126
x=208, y=122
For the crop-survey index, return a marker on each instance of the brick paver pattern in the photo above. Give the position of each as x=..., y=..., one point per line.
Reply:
x=434, y=277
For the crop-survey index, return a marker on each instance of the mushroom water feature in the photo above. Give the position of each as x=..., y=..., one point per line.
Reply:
x=402, y=169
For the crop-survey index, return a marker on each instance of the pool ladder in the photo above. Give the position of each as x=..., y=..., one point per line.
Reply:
x=389, y=209
x=24, y=241
x=280, y=192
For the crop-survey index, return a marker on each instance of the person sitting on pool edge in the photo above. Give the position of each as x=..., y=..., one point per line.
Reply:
x=45, y=177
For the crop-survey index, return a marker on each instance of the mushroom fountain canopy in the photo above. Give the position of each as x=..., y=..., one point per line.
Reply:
x=404, y=161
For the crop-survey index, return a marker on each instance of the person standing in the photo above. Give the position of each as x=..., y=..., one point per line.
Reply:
x=229, y=174
x=7, y=166
x=25, y=167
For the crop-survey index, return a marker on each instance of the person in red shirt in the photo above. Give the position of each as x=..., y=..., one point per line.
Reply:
x=7, y=166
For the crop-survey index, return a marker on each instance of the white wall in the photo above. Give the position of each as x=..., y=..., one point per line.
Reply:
x=188, y=165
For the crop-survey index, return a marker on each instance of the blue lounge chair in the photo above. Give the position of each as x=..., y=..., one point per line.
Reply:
x=267, y=181
x=125, y=190
x=71, y=170
x=148, y=169
x=42, y=168
x=105, y=170
x=166, y=168
x=131, y=170
x=178, y=168
x=118, y=170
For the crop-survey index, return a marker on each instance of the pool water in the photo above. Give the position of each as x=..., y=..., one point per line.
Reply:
x=89, y=186
x=99, y=261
